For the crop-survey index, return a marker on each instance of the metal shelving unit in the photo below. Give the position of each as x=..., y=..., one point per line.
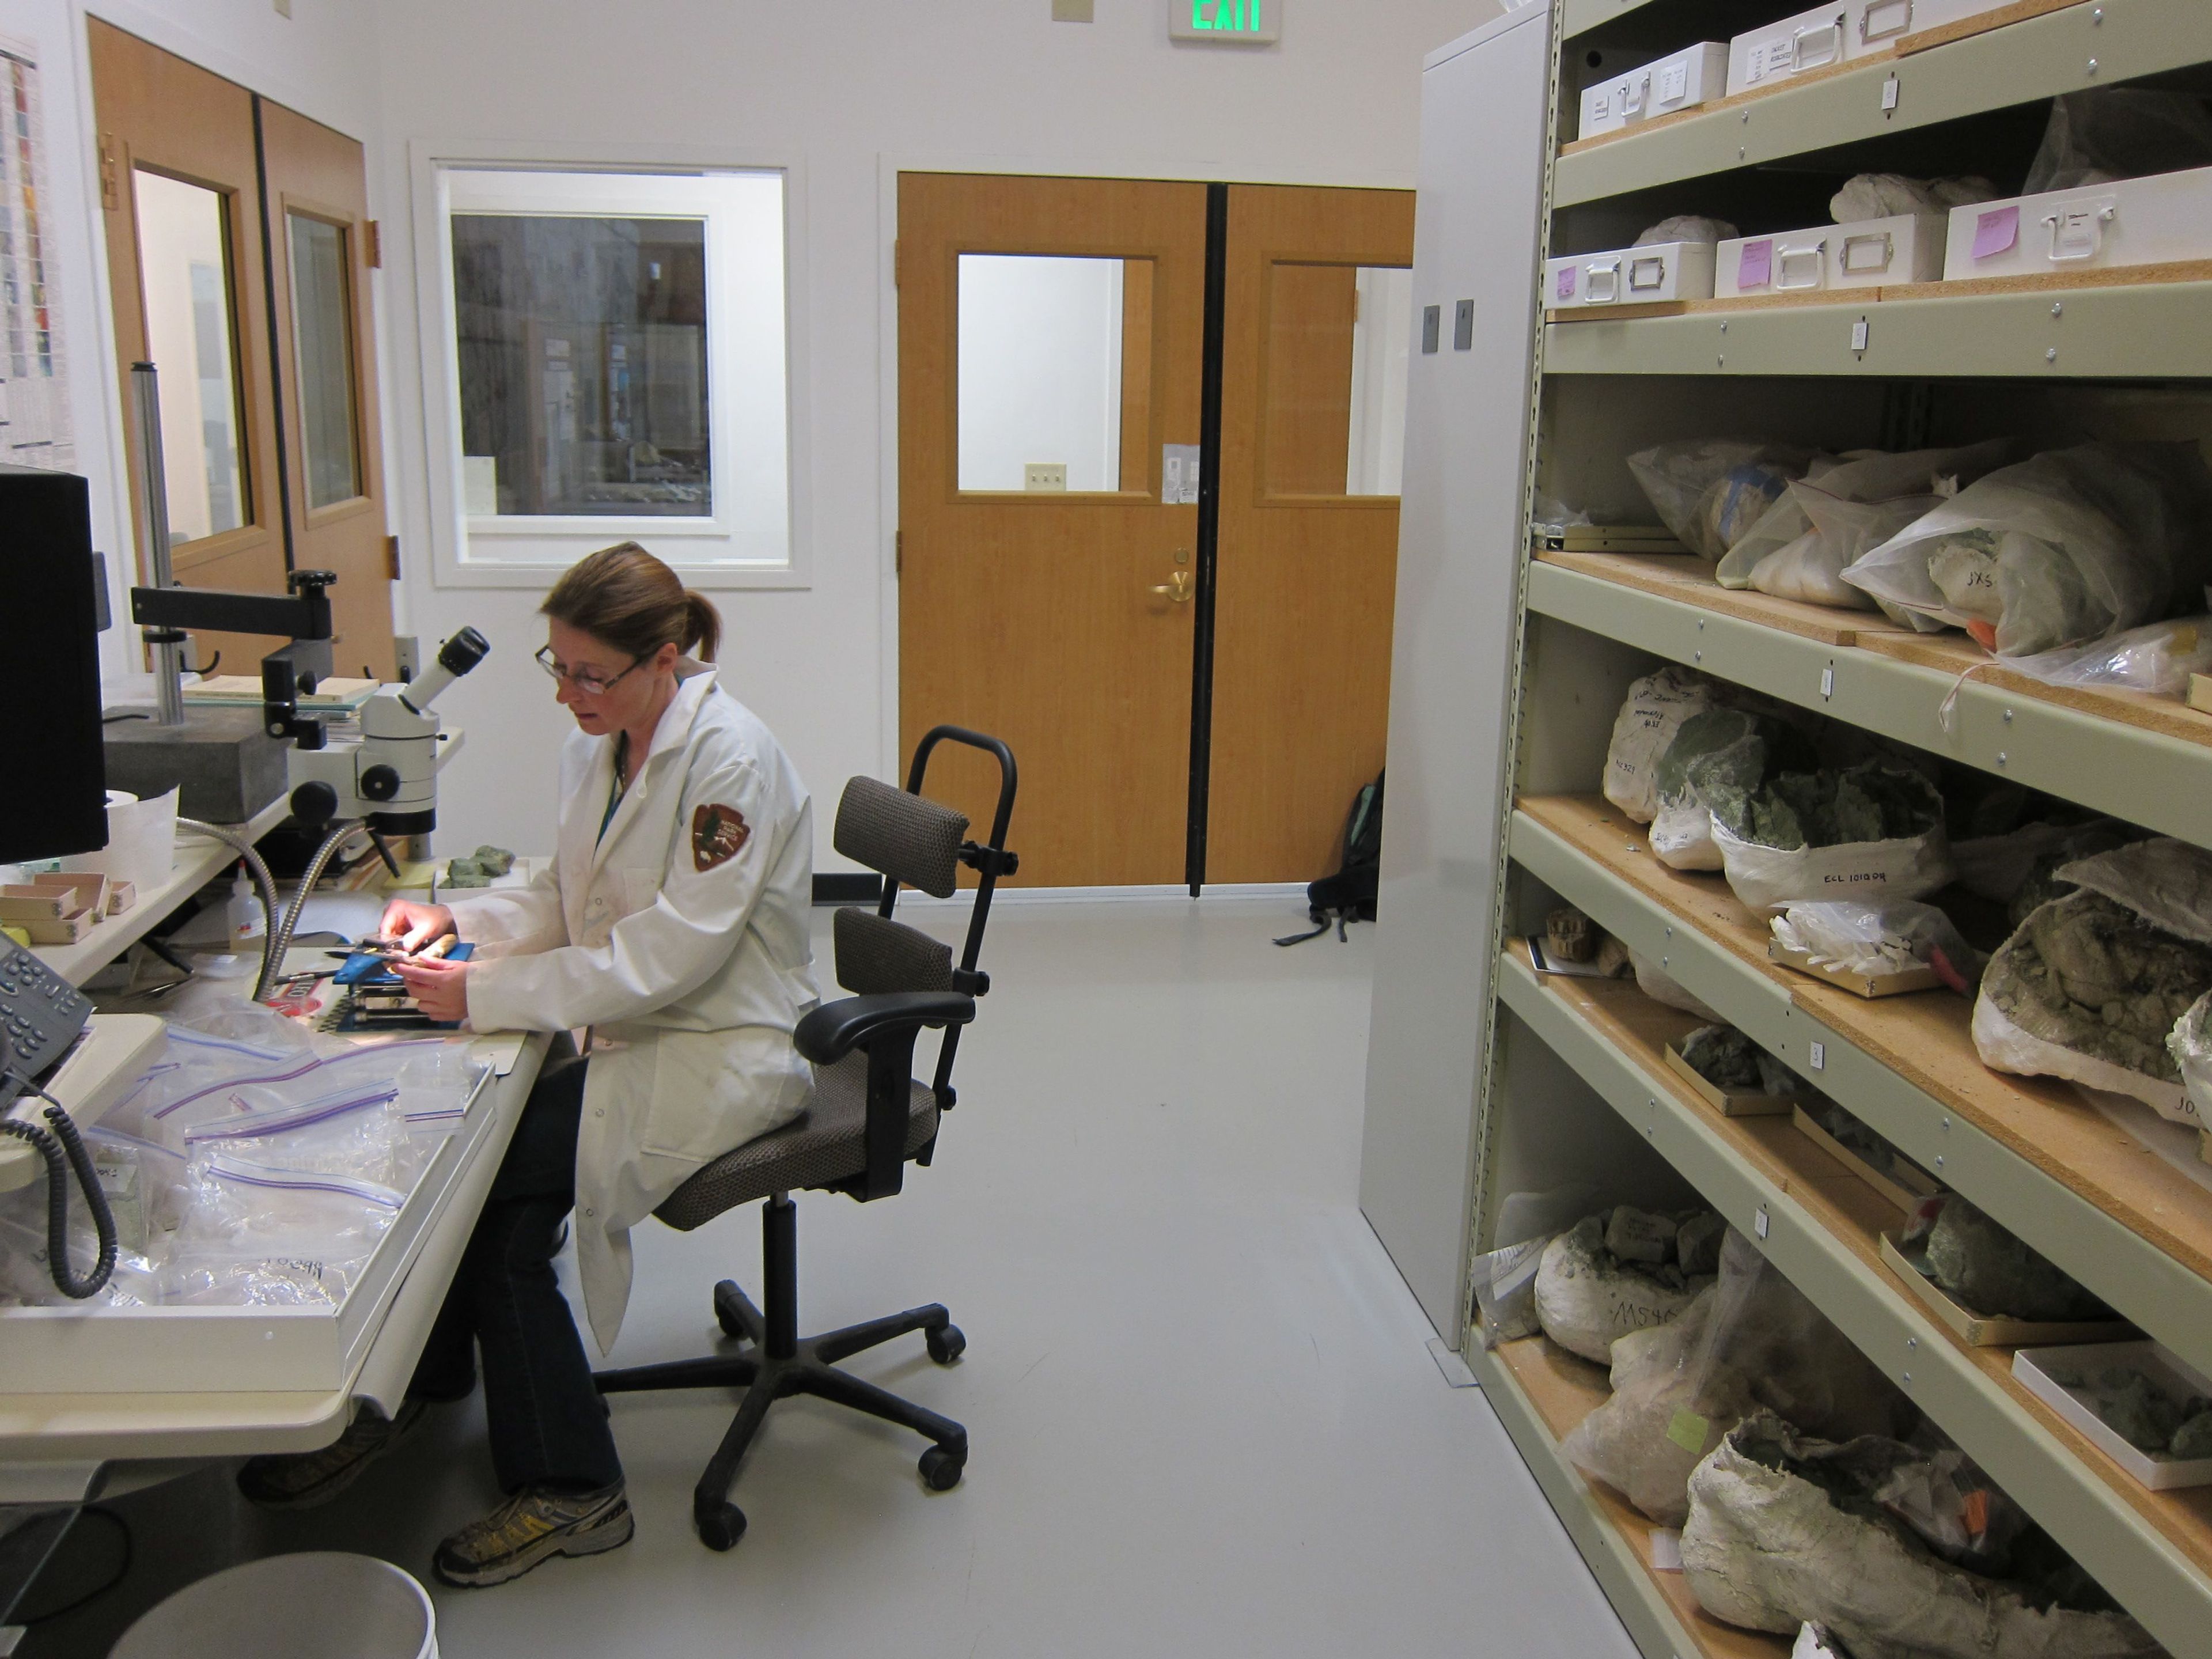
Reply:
x=1572, y=1083
x=2091, y=43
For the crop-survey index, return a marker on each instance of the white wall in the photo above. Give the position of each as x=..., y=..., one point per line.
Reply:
x=850, y=91
x=1040, y=376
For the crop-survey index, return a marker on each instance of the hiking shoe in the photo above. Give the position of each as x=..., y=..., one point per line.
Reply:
x=532, y=1527
x=300, y=1480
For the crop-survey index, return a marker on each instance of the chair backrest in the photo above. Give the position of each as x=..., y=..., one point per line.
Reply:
x=910, y=839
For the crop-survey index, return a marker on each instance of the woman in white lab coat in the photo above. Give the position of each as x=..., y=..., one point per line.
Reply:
x=673, y=924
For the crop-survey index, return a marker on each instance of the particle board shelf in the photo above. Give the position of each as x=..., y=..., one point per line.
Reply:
x=2110, y=329
x=197, y=860
x=1557, y=1390
x=2039, y=54
x=1823, y=1227
x=2029, y=1151
x=1688, y=579
x=2145, y=759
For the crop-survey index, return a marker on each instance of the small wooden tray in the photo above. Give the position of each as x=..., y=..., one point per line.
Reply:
x=1906, y=1186
x=1991, y=1330
x=1922, y=978
x=73, y=927
x=1729, y=1105
x=33, y=904
x=89, y=889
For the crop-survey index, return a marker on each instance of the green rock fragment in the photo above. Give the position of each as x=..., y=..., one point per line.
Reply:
x=2193, y=1439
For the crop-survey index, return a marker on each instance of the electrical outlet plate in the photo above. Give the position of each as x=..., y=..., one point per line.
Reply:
x=1045, y=477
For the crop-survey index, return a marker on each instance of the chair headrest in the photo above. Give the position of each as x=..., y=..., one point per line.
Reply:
x=908, y=837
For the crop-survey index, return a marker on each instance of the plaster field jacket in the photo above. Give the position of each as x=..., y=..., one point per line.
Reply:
x=681, y=937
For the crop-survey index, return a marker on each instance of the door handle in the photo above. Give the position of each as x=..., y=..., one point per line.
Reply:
x=1176, y=589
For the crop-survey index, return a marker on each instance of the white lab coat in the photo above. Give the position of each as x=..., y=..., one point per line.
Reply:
x=692, y=979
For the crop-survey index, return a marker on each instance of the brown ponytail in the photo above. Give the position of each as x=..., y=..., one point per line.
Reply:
x=635, y=603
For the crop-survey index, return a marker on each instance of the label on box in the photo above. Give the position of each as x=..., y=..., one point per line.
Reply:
x=1687, y=1431
x=1567, y=282
x=1996, y=231
x=1756, y=269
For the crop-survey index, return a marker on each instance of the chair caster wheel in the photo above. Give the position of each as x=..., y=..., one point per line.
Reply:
x=721, y=1529
x=941, y=1467
x=945, y=1346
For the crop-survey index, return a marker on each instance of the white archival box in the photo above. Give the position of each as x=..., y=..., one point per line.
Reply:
x=2160, y=220
x=95, y=1349
x=1908, y=248
x=1629, y=277
x=1693, y=76
x=1836, y=33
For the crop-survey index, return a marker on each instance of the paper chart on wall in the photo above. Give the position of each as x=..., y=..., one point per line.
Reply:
x=35, y=408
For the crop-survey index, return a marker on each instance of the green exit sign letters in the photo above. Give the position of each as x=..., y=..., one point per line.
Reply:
x=1230, y=22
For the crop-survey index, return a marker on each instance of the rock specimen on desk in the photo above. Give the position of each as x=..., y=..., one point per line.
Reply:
x=1786, y=1530
x=1571, y=936
x=479, y=868
x=1989, y=1271
x=1587, y=1298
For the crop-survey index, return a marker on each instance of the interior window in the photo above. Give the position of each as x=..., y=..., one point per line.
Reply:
x=1338, y=342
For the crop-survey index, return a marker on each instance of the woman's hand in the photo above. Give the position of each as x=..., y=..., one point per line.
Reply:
x=414, y=926
x=441, y=989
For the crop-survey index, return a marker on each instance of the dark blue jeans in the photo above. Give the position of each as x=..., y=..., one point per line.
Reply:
x=549, y=1426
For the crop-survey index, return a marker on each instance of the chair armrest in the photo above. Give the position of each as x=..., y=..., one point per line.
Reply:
x=835, y=1028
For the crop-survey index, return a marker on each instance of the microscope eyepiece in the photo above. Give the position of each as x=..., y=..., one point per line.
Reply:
x=458, y=655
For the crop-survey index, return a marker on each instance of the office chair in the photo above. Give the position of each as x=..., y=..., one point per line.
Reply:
x=868, y=1118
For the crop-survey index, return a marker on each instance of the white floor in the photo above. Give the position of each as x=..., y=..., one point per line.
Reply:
x=1203, y=1417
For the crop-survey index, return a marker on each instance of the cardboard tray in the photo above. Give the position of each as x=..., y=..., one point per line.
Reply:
x=1922, y=978
x=1729, y=1105
x=2028, y=1368
x=1905, y=1185
x=1992, y=1330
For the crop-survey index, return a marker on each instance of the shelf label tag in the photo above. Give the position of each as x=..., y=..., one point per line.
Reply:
x=1861, y=330
x=1996, y=232
x=1758, y=1221
x=1819, y=1056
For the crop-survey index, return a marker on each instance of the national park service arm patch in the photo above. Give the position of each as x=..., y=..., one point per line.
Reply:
x=718, y=834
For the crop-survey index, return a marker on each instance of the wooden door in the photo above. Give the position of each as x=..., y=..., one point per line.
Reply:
x=176, y=161
x=1312, y=408
x=325, y=353
x=1051, y=618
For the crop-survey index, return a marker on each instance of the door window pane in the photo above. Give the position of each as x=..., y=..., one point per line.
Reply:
x=322, y=330
x=1335, y=385
x=1055, y=373
x=1381, y=345
x=185, y=273
x=582, y=344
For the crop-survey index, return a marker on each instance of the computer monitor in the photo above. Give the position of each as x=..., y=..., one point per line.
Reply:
x=54, y=789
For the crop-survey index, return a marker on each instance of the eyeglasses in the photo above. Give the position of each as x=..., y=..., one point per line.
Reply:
x=583, y=680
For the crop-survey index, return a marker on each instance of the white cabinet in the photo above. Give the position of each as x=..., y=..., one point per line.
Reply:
x=1483, y=118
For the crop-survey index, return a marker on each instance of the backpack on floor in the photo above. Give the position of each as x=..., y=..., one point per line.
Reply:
x=1349, y=895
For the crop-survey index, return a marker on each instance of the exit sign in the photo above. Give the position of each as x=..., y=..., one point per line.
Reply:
x=1225, y=21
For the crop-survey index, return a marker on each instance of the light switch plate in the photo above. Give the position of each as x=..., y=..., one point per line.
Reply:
x=1045, y=476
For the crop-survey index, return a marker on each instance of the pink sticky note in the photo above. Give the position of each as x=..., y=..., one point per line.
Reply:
x=1756, y=269
x=1996, y=231
x=1567, y=282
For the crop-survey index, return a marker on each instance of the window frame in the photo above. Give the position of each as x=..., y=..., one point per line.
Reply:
x=535, y=550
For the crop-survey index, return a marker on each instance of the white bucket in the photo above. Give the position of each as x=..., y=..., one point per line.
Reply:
x=321, y=1604
x=142, y=841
